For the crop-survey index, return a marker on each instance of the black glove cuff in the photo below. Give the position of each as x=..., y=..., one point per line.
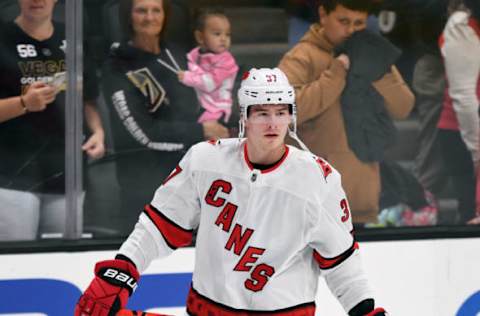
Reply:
x=362, y=308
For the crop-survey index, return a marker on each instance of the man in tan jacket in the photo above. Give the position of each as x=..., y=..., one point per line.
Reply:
x=319, y=79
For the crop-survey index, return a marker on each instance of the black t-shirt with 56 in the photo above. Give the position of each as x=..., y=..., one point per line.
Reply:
x=32, y=146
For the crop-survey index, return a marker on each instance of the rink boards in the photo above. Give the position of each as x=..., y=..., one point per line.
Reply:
x=423, y=277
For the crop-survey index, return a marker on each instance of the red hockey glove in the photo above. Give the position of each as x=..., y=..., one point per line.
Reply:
x=377, y=312
x=114, y=282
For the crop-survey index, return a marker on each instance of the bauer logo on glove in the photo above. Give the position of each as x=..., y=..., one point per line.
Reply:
x=119, y=278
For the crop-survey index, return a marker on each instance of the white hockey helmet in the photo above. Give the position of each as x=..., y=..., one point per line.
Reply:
x=267, y=86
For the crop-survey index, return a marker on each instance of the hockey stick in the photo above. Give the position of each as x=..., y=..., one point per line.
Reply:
x=128, y=312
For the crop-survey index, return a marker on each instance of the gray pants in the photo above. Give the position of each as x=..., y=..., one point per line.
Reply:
x=27, y=215
x=429, y=87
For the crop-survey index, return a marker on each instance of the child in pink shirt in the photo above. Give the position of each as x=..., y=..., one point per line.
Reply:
x=211, y=67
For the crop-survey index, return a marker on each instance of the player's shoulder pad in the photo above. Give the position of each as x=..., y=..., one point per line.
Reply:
x=224, y=142
x=314, y=165
x=212, y=151
x=207, y=144
x=214, y=142
x=216, y=145
x=326, y=168
x=323, y=166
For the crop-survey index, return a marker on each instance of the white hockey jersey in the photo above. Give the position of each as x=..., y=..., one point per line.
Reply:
x=263, y=236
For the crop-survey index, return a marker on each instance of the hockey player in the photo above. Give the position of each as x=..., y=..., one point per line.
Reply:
x=270, y=218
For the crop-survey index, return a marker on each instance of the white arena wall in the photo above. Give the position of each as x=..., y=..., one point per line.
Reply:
x=438, y=277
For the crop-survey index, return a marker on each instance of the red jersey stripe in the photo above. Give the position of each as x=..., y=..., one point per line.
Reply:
x=174, y=235
x=199, y=305
x=328, y=263
x=277, y=164
x=177, y=170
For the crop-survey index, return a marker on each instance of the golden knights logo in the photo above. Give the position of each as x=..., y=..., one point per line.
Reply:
x=149, y=86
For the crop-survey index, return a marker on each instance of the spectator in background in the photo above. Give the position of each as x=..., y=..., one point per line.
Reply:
x=422, y=22
x=459, y=121
x=211, y=67
x=32, y=128
x=301, y=14
x=320, y=78
x=152, y=114
x=429, y=86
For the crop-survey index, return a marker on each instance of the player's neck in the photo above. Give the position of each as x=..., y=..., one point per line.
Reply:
x=146, y=43
x=37, y=29
x=264, y=156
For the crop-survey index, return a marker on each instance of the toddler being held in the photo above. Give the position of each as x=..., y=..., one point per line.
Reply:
x=211, y=67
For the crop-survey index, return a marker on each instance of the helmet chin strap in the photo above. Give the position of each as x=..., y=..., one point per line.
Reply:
x=292, y=132
x=293, y=135
x=241, y=127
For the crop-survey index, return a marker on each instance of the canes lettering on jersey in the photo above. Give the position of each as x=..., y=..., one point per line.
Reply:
x=212, y=192
x=239, y=238
x=226, y=216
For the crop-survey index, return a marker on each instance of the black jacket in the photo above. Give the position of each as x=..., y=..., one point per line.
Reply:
x=368, y=125
x=148, y=144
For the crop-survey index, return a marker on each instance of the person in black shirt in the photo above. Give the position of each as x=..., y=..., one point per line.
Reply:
x=32, y=123
x=153, y=120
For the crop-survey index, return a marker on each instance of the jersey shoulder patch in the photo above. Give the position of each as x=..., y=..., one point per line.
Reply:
x=324, y=165
x=223, y=142
x=213, y=142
